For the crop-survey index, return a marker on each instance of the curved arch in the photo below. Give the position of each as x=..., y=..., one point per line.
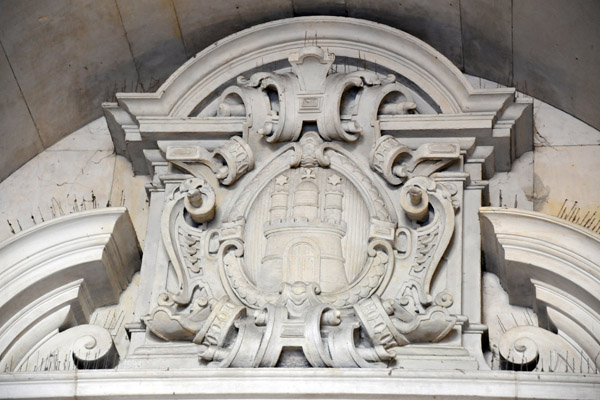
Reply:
x=264, y=55
x=548, y=263
x=346, y=37
x=54, y=275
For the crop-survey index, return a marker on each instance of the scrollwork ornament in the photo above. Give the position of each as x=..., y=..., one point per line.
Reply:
x=396, y=163
x=429, y=203
x=387, y=157
x=199, y=200
x=93, y=347
x=183, y=242
x=238, y=159
x=304, y=253
x=519, y=350
x=228, y=162
x=531, y=348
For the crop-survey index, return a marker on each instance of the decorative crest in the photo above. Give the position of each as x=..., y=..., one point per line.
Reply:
x=305, y=255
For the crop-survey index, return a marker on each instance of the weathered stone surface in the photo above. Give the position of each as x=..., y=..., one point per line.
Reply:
x=556, y=54
x=80, y=172
x=567, y=183
x=53, y=277
x=204, y=23
x=113, y=318
x=499, y=315
x=93, y=136
x=329, y=218
x=514, y=189
x=19, y=140
x=129, y=191
x=273, y=229
x=552, y=266
x=73, y=175
x=486, y=28
x=554, y=127
x=68, y=57
x=557, y=67
x=154, y=38
x=436, y=22
x=309, y=7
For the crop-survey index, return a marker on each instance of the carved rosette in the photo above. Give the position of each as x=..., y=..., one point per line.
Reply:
x=301, y=257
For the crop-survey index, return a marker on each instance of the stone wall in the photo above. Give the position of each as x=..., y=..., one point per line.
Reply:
x=61, y=59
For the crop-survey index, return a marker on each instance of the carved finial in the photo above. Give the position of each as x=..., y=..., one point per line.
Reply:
x=311, y=65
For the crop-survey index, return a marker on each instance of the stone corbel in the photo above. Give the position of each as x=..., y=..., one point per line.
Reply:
x=228, y=162
x=396, y=162
x=52, y=278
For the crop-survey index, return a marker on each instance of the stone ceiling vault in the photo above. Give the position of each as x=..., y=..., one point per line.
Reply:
x=60, y=59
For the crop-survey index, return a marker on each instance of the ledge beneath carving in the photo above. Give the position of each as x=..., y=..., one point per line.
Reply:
x=300, y=384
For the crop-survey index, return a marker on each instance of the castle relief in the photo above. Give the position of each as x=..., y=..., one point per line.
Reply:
x=297, y=269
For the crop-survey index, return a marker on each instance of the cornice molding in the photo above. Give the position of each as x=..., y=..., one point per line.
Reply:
x=300, y=384
x=346, y=37
x=54, y=275
x=549, y=264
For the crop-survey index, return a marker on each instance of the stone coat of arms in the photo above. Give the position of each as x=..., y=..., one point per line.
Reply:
x=318, y=257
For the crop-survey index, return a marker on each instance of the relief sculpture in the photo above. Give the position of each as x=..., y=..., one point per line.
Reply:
x=296, y=269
